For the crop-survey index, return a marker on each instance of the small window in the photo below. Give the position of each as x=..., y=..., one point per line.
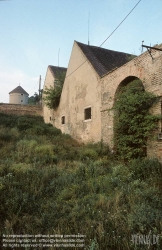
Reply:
x=63, y=120
x=21, y=100
x=87, y=114
x=21, y=94
x=50, y=118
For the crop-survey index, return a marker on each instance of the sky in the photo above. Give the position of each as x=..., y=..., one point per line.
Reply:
x=34, y=32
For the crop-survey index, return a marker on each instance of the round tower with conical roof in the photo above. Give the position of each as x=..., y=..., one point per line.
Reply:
x=18, y=96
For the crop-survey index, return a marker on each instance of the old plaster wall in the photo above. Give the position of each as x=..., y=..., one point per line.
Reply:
x=150, y=73
x=49, y=81
x=82, y=89
x=18, y=98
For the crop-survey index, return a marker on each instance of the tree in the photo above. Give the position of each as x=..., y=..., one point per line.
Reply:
x=35, y=99
x=51, y=95
x=133, y=123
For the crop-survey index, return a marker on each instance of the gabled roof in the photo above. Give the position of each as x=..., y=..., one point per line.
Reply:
x=19, y=90
x=57, y=70
x=103, y=60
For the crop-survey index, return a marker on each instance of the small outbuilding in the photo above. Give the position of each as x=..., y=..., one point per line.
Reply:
x=18, y=96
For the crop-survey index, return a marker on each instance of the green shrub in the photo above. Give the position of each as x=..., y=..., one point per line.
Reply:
x=8, y=135
x=26, y=147
x=27, y=122
x=42, y=150
x=8, y=120
x=46, y=129
x=147, y=168
x=88, y=153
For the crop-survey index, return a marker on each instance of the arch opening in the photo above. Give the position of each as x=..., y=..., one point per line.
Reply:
x=124, y=83
x=131, y=119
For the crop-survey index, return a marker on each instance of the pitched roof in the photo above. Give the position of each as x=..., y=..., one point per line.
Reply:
x=19, y=90
x=57, y=70
x=103, y=60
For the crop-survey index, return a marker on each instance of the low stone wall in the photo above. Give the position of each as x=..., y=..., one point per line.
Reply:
x=18, y=109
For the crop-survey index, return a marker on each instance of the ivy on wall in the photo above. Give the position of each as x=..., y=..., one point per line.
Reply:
x=133, y=122
x=52, y=95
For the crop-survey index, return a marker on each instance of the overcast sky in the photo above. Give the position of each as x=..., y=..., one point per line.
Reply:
x=33, y=31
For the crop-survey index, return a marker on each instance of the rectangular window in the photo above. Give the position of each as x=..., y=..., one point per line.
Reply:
x=63, y=120
x=87, y=114
x=21, y=100
x=160, y=136
x=50, y=118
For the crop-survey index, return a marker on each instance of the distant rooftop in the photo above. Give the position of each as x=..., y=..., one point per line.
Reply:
x=104, y=60
x=19, y=90
x=57, y=70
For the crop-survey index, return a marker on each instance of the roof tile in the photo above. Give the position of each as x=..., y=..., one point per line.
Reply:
x=19, y=90
x=103, y=60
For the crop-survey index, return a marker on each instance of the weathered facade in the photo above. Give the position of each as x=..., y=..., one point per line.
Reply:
x=93, y=78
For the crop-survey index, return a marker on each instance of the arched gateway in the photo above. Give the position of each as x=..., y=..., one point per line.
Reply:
x=149, y=71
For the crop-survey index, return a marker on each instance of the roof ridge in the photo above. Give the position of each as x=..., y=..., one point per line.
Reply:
x=18, y=89
x=56, y=68
x=103, y=60
x=98, y=47
x=92, y=54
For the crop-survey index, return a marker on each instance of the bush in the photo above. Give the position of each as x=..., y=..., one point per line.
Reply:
x=88, y=153
x=147, y=168
x=27, y=122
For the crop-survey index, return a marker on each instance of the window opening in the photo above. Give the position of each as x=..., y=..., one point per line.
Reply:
x=63, y=120
x=87, y=114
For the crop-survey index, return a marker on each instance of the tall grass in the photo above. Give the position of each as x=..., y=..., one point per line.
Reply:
x=51, y=184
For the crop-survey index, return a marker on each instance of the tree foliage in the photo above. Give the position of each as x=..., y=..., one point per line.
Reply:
x=35, y=99
x=133, y=122
x=53, y=93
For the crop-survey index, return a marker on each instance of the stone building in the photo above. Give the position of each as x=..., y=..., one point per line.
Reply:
x=18, y=96
x=51, y=77
x=93, y=78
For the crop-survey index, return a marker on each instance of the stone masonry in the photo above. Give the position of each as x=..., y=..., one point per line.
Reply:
x=18, y=109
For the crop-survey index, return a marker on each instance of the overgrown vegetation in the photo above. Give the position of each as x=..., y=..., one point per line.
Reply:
x=133, y=122
x=35, y=99
x=49, y=184
x=51, y=95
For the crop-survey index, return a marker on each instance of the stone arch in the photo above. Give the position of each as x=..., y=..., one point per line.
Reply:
x=125, y=82
x=118, y=91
